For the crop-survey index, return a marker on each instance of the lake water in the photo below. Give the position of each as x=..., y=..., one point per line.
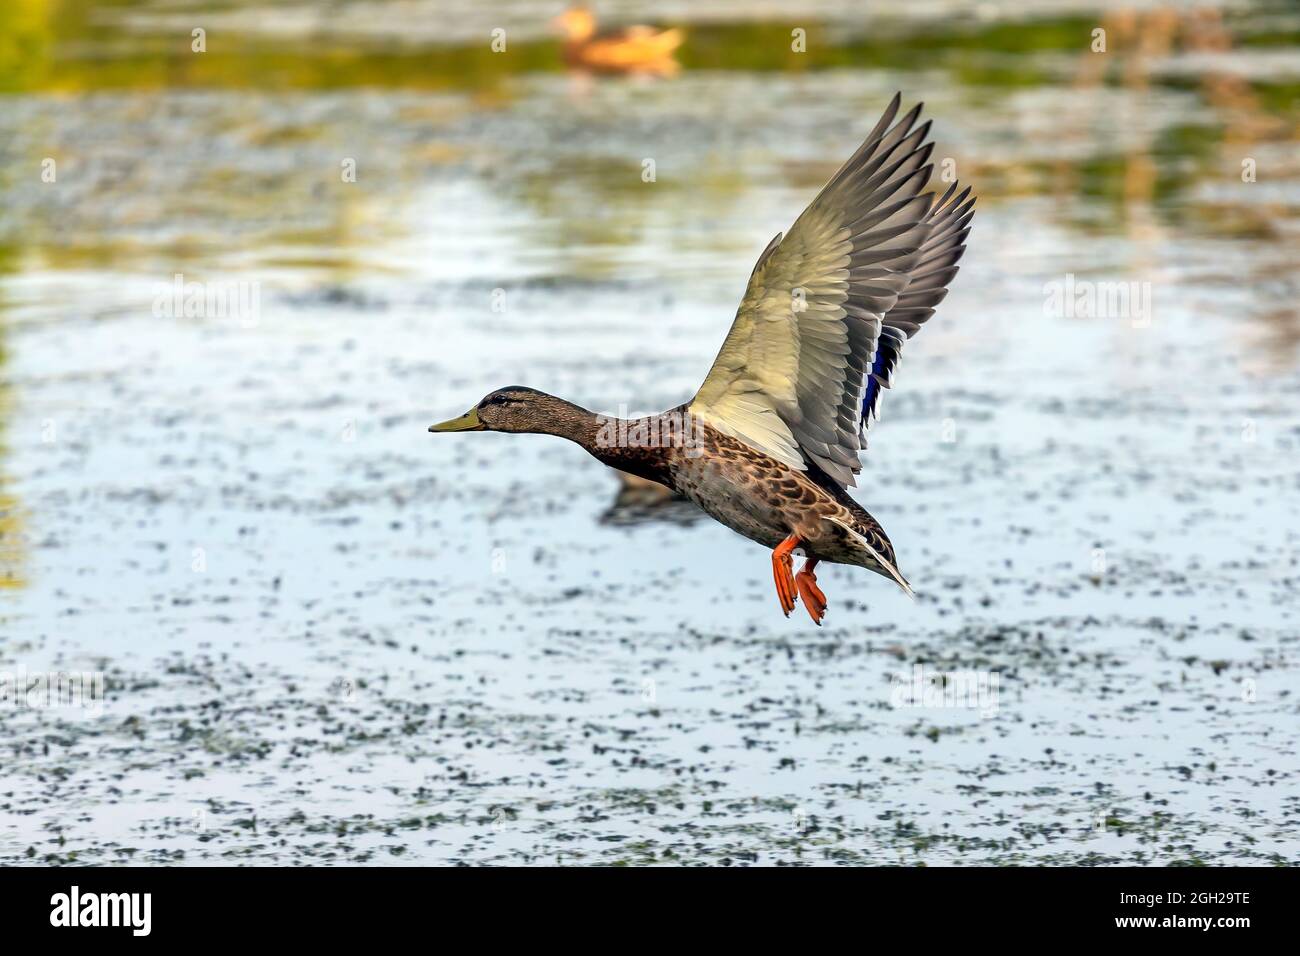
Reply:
x=328, y=636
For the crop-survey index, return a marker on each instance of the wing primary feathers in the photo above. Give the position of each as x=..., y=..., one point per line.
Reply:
x=831, y=301
x=928, y=286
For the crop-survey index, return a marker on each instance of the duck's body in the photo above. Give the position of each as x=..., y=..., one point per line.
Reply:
x=752, y=493
x=770, y=443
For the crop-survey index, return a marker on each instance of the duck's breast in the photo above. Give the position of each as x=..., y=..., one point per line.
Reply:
x=736, y=493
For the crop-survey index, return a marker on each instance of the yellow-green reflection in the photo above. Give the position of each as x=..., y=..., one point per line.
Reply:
x=1136, y=186
x=73, y=47
x=13, y=553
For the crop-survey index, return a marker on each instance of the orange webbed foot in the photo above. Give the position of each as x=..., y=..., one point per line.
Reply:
x=813, y=598
x=782, y=566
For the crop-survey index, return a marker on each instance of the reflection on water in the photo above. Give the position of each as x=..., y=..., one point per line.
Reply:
x=640, y=501
x=1124, y=140
x=266, y=491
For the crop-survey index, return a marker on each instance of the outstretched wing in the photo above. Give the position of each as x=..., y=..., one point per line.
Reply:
x=790, y=377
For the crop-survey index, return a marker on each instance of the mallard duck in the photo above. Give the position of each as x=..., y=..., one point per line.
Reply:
x=769, y=444
x=623, y=50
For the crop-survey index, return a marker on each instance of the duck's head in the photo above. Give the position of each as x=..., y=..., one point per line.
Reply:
x=576, y=23
x=511, y=409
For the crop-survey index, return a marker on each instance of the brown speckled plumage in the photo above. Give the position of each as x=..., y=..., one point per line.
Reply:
x=755, y=495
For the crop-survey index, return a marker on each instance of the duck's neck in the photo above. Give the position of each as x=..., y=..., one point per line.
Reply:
x=640, y=446
x=570, y=421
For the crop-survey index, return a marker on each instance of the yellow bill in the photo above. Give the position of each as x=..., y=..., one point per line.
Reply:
x=466, y=423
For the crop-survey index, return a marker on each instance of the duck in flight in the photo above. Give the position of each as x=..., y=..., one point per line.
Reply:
x=769, y=444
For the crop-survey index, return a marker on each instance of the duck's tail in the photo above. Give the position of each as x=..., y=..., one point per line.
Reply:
x=885, y=564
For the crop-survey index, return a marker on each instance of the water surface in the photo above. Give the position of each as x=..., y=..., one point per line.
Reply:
x=331, y=637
